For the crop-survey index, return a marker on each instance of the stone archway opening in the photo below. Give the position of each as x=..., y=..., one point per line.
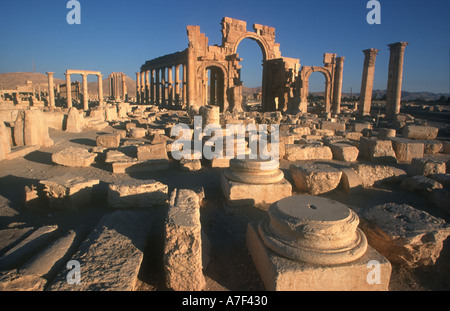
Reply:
x=252, y=57
x=317, y=92
x=215, y=88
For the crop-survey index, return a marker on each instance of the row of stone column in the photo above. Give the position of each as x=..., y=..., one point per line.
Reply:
x=394, y=84
x=115, y=80
x=51, y=90
x=153, y=87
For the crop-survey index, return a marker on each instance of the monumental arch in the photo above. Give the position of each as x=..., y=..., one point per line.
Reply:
x=205, y=74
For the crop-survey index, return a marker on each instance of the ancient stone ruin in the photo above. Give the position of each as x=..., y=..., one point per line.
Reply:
x=290, y=196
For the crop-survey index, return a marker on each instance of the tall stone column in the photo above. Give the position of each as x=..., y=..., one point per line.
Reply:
x=169, y=86
x=85, y=92
x=147, y=87
x=365, y=102
x=184, y=82
x=158, y=86
x=68, y=90
x=100, y=90
x=124, y=87
x=138, y=87
x=152, y=86
x=191, y=79
x=163, y=86
x=395, y=77
x=177, y=84
x=337, y=90
x=51, y=90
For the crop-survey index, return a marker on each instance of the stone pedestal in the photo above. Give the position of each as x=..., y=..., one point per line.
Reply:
x=254, y=182
x=313, y=243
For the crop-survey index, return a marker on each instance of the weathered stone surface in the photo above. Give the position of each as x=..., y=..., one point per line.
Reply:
x=406, y=150
x=442, y=178
x=108, y=141
x=307, y=152
x=371, y=174
x=13, y=281
x=403, y=234
x=238, y=193
x=69, y=192
x=20, y=253
x=420, y=183
x=312, y=243
x=111, y=256
x=49, y=261
x=30, y=129
x=137, y=132
x=432, y=146
x=426, y=167
x=385, y=133
x=75, y=121
x=74, y=157
x=379, y=151
x=420, y=132
x=446, y=147
x=137, y=194
x=5, y=138
x=183, y=264
x=350, y=181
x=9, y=237
x=152, y=152
x=359, y=127
x=315, y=178
x=334, y=126
x=190, y=165
x=344, y=152
x=140, y=166
x=117, y=156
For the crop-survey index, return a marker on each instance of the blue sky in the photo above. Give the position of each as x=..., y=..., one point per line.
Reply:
x=119, y=35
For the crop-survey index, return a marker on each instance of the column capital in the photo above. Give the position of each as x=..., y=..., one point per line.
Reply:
x=50, y=73
x=371, y=51
x=398, y=45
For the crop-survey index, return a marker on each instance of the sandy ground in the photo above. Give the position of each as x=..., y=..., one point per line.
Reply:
x=230, y=266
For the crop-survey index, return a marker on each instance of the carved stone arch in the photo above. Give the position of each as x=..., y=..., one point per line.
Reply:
x=261, y=42
x=223, y=82
x=304, y=75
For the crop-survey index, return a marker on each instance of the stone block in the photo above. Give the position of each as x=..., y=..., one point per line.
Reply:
x=152, y=152
x=420, y=183
x=5, y=141
x=137, y=132
x=404, y=234
x=20, y=152
x=432, y=146
x=385, y=133
x=74, y=157
x=372, y=174
x=23, y=251
x=420, y=132
x=333, y=126
x=344, y=152
x=279, y=273
x=108, y=141
x=379, y=151
x=69, y=192
x=352, y=135
x=359, y=127
x=426, y=167
x=110, y=258
x=183, y=243
x=31, y=129
x=238, y=193
x=190, y=165
x=10, y=237
x=137, y=194
x=140, y=166
x=350, y=181
x=307, y=152
x=50, y=260
x=315, y=178
x=12, y=281
x=446, y=147
x=75, y=121
x=406, y=150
